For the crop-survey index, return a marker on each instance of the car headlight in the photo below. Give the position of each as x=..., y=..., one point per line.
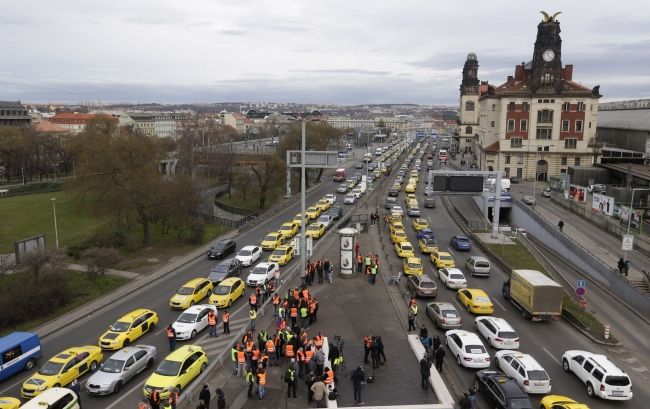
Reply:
x=42, y=388
x=106, y=386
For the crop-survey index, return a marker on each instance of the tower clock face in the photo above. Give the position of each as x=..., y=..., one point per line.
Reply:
x=548, y=55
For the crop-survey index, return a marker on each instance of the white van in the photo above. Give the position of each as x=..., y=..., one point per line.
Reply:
x=54, y=398
x=599, y=374
x=378, y=152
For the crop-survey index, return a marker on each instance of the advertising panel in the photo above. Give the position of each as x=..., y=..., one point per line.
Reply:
x=602, y=204
x=578, y=193
x=635, y=223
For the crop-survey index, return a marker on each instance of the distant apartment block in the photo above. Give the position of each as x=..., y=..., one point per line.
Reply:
x=76, y=122
x=13, y=113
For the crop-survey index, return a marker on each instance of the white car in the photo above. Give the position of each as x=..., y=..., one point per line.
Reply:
x=262, y=273
x=357, y=192
x=602, y=377
x=350, y=198
x=396, y=210
x=497, y=332
x=325, y=220
x=330, y=197
x=192, y=321
x=467, y=348
x=452, y=278
x=528, y=373
x=249, y=255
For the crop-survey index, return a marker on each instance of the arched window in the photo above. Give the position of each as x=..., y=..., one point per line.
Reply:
x=468, y=130
x=469, y=106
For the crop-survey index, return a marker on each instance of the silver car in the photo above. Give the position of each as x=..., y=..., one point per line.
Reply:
x=444, y=315
x=121, y=367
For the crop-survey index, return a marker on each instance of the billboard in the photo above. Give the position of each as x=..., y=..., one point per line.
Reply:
x=578, y=193
x=453, y=183
x=602, y=204
x=635, y=223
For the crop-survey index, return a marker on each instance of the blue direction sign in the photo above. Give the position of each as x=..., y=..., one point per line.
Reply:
x=581, y=283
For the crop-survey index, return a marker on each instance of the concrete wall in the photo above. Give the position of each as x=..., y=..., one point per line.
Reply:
x=524, y=217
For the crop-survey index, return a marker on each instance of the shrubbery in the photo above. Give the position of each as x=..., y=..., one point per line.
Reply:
x=36, y=187
x=113, y=239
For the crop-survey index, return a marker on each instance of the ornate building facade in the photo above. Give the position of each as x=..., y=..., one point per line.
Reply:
x=469, y=96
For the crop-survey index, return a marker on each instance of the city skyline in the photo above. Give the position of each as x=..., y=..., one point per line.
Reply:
x=286, y=51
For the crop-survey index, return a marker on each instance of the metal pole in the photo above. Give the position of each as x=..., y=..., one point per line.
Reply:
x=629, y=220
x=303, y=244
x=288, y=177
x=56, y=228
x=497, y=205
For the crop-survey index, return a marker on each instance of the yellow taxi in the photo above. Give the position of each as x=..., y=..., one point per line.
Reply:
x=427, y=245
x=315, y=230
x=413, y=265
x=128, y=328
x=409, y=197
x=396, y=224
x=62, y=369
x=404, y=249
x=272, y=240
x=177, y=369
x=442, y=259
x=376, y=173
x=560, y=402
x=282, y=255
x=476, y=301
x=397, y=186
x=9, y=403
x=398, y=236
x=419, y=224
x=288, y=229
x=296, y=219
x=410, y=188
x=323, y=205
x=414, y=175
x=227, y=292
x=312, y=212
x=191, y=293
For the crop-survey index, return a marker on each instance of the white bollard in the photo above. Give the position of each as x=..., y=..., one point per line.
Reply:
x=606, y=335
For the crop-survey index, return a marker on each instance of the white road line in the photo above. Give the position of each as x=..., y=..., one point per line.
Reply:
x=552, y=356
x=499, y=304
x=14, y=384
x=125, y=395
x=450, y=251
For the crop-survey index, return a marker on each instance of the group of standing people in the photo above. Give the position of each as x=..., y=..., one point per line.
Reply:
x=317, y=270
x=623, y=266
x=374, y=217
x=368, y=265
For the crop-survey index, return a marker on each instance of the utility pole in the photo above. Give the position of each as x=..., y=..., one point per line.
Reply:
x=56, y=229
x=303, y=243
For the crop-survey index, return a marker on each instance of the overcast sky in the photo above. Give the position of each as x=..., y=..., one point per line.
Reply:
x=332, y=51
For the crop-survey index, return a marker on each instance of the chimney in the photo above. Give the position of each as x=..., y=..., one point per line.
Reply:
x=509, y=78
x=568, y=72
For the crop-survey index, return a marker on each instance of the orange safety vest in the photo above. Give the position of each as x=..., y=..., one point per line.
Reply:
x=312, y=307
x=359, y=258
x=226, y=317
x=256, y=355
x=241, y=357
x=289, y=351
x=367, y=341
x=261, y=376
x=330, y=377
x=252, y=299
x=155, y=397
x=249, y=346
x=265, y=358
x=270, y=346
x=170, y=333
x=301, y=356
x=308, y=354
x=212, y=319
x=144, y=405
x=319, y=340
x=296, y=294
x=276, y=299
x=294, y=312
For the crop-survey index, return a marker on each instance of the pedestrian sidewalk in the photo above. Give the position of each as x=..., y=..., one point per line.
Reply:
x=351, y=308
x=110, y=271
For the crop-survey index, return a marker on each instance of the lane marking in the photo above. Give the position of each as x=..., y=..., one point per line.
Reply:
x=552, y=356
x=499, y=304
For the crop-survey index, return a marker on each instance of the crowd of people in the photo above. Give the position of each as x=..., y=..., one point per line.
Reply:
x=317, y=270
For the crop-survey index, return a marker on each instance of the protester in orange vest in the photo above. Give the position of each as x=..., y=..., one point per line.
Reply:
x=241, y=362
x=171, y=337
x=288, y=352
x=318, y=340
x=367, y=344
x=144, y=404
x=154, y=398
x=294, y=316
x=252, y=301
x=329, y=376
x=226, y=322
x=212, y=323
x=359, y=263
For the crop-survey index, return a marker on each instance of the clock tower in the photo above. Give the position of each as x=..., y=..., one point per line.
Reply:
x=547, y=61
x=469, y=96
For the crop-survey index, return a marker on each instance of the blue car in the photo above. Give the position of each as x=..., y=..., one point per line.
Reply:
x=425, y=234
x=460, y=243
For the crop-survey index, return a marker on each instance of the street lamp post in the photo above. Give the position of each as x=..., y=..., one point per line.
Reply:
x=629, y=220
x=56, y=228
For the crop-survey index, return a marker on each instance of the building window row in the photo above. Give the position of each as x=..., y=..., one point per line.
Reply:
x=578, y=125
x=580, y=106
x=525, y=106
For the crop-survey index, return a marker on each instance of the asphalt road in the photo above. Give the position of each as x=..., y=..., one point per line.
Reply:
x=156, y=297
x=544, y=341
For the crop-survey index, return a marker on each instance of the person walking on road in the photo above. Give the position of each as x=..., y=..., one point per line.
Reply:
x=212, y=324
x=250, y=379
x=471, y=398
x=367, y=344
x=425, y=372
x=252, y=314
x=359, y=263
x=205, y=396
x=261, y=382
x=374, y=353
x=560, y=225
x=411, y=319
x=380, y=345
x=621, y=266
x=291, y=378
x=154, y=399
x=319, y=391
x=171, y=337
x=226, y=322
x=221, y=398
x=358, y=380
x=440, y=358
x=626, y=269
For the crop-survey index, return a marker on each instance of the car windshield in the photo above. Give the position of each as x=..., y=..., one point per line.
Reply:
x=120, y=326
x=449, y=314
x=221, y=290
x=445, y=257
x=51, y=368
x=285, y=227
x=617, y=380
x=270, y=237
x=407, y=247
x=221, y=268
x=414, y=265
x=474, y=349
x=456, y=276
x=508, y=334
x=520, y=403
x=537, y=375
x=219, y=247
x=169, y=368
x=323, y=219
x=185, y=291
x=279, y=252
x=112, y=366
x=187, y=318
x=244, y=253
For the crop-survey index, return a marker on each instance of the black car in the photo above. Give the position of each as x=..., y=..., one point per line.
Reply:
x=430, y=203
x=225, y=269
x=336, y=212
x=500, y=390
x=221, y=249
x=393, y=192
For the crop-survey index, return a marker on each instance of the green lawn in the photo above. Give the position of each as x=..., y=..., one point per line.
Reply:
x=252, y=200
x=29, y=215
x=516, y=255
x=83, y=291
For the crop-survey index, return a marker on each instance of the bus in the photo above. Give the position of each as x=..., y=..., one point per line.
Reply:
x=18, y=352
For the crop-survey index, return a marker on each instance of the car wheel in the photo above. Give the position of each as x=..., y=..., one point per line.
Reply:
x=56, y=385
x=476, y=385
x=229, y=303
x=30, y=364
x=458, y=359
x=496, y=364
x=149, y=363
x=117, y=387
x=126, y=343
x=193, y=334
x=590, y=390
x=203, y=366
x=191, y=303
x=565, y=365
x=93, y=366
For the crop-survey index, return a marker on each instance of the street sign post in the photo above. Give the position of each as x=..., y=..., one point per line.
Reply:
x=581, y=291
x=296, y=246
x=628, y=242
x=581, y=283
x=310, y=246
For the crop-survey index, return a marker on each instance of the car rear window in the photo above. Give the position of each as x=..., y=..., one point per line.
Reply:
x=508, y=334
x=456, y=276
x=475, y=349
x=537, y=375
x=427, y=284
x=617, y=380
x=449, y=314
x=484, y=264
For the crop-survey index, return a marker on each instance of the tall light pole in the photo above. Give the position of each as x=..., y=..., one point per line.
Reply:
x=629, y=219
x=303, y=244
x=56, y=228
